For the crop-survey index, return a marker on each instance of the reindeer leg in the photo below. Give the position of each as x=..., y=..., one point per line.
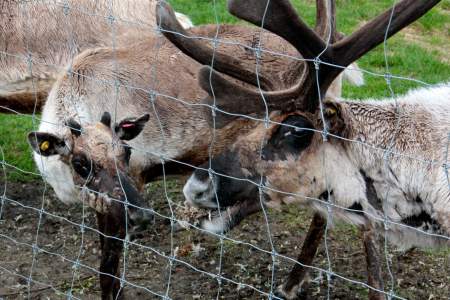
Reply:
x=111, y=250
x=373, y=265
x=298, y=274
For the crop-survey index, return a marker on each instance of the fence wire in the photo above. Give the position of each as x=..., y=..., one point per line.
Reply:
x=56, y=246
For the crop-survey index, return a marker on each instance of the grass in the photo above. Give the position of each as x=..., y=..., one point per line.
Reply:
x=14, y=148
x=418, y=52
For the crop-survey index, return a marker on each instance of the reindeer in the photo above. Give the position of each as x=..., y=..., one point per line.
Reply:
x=306, y=156
x=32, y=54
x=143, y=76
x=99, y=155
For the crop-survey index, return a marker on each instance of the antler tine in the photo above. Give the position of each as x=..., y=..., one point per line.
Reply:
x=280, y=18
x=326, y=20
x=202, y=53
x=373, y=33
x=243, y=100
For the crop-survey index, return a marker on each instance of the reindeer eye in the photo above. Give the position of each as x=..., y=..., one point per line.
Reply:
x=82, y=165
x=292, y=136
x=294, y=132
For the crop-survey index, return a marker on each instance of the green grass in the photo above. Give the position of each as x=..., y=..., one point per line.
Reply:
x=420, y=52
x=406, y=60
x=204, y=11
x=15, y=148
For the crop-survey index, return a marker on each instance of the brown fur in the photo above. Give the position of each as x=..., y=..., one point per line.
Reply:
x=120, y=80
x=52, y=46
x=25, y=96
x=152, y=64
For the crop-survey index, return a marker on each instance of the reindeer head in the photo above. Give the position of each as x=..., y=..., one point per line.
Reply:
x=290, y=151
x=98, y=157
x=288, y=155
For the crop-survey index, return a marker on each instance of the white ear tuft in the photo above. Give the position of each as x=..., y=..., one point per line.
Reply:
x=184, y=20
x=354, y=75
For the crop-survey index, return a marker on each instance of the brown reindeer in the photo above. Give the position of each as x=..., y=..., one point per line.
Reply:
x=39, y=38
x=292, y=155
x=99, y=156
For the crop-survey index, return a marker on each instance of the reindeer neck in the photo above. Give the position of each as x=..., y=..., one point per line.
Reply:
x=401, y=146
x=403, y=128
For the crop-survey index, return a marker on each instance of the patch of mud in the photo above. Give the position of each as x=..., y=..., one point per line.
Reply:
x=150, y=272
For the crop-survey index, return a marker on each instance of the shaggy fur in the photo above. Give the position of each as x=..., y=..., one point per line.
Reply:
x=392, y=168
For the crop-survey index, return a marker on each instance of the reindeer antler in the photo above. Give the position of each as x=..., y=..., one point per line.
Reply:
x=326, y=20
x=201, y=52
x=279, y=17
x=279, y=100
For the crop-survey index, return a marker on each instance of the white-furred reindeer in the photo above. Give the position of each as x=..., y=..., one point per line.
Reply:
x=380, y=166
x=384, y=158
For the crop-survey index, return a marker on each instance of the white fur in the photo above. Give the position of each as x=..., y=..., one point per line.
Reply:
x=194, y=187
x=55, y=112
x=397, y=183
x=354, y=75
x=216, y=225
x=59, y=176
x=184, y=20
x=54, y=171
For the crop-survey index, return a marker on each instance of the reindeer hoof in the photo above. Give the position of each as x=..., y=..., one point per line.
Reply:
x=289, y=291
x=291, y=294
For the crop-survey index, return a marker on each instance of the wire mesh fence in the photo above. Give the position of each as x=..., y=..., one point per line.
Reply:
x=111, y=56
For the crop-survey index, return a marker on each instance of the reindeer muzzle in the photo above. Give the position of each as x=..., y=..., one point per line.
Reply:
x=111, y=194
x=139, y=215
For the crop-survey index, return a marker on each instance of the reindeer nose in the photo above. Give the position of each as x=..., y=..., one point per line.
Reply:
x=191, y=191
x=140, y=215
x=141, y=218
x=199, y=192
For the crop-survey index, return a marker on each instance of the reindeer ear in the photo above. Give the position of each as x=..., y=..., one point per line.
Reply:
x=333, y=117
x=47, y=144
x=130, y=128
x=74, y=126
x=106, y=119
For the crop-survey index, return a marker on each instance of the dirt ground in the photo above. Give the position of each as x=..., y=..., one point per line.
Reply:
x=416, y=274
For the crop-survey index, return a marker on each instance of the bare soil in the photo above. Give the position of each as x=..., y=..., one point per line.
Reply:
x=56, y=232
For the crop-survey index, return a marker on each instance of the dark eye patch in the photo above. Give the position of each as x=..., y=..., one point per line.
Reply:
x=127, y=150
x=291, y=139
x=82, y=165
